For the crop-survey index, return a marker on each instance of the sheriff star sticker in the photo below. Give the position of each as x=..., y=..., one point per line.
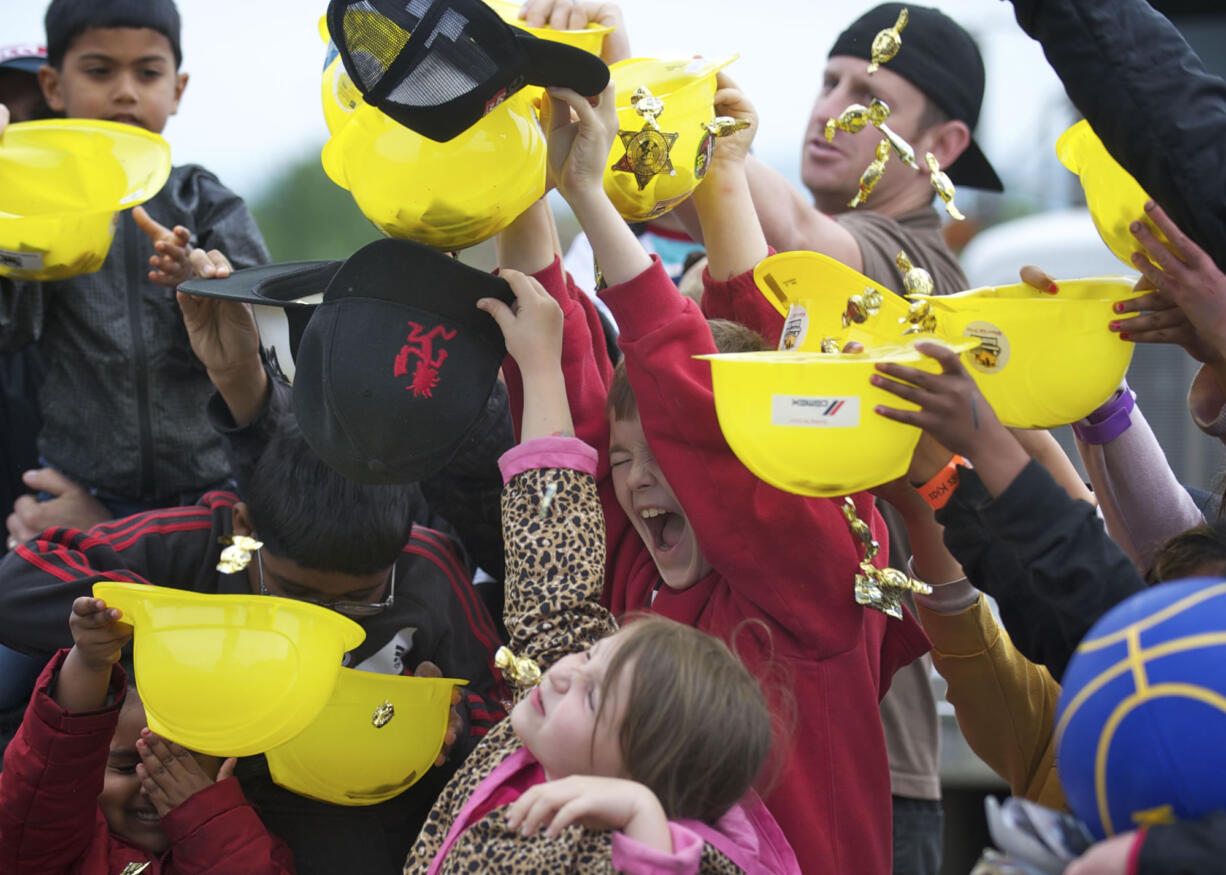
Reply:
x=647, y=154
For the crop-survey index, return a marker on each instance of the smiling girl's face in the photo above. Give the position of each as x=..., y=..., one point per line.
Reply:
x=558, y=721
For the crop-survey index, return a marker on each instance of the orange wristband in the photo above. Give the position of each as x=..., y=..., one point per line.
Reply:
x=938, y=490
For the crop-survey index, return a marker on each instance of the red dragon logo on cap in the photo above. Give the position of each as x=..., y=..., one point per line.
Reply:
x=425, y=375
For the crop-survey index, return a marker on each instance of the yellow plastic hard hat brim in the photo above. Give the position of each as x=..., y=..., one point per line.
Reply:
x=805, y=422
x=61, y=182
x=230, y=675
x=686, y=87
x=347, y=758
x=1114, y=198
x=447, y=195
x=1043, y=360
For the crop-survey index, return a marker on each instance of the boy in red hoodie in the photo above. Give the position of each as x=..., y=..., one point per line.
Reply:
x=87, y=788
x=693, y=534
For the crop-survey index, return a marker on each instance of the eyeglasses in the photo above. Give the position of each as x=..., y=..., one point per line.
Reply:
x=349, y=609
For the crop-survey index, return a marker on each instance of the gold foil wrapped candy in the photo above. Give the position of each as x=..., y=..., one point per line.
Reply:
x=829, y=344
x=872, y=175
x=647, y=150
x=887, y=42
x=852, y=120
x=237, y=554
x=915, y=280
x=725, y=126
x=878, y=588
x=942, y=186
x=921, y=317
x=519, y=670
x=383, y=715
x=861, y=306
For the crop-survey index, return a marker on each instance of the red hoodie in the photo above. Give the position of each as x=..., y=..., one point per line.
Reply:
x=50, y=821
x=782, y=559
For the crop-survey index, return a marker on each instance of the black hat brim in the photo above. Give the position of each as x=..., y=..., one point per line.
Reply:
x=288, y=284
x=973, y=170
x=548, y=62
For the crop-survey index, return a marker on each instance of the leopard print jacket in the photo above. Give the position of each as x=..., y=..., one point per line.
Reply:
x=555, y=551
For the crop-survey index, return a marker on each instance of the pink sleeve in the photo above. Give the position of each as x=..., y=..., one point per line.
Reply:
x=548, y=452
x=1134, y=853
x=638, y=859
x=740, y=300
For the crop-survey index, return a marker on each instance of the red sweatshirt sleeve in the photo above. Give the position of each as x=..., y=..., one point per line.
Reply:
x=740, y=300
x=217, y=832
x=53, y=771
x=792, y=556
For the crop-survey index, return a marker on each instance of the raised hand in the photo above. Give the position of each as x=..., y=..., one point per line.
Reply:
x=98, y=637
x=533, y=328
x=731, y=101
x=578, y=14
x=170, y=774
x=175, y=259
x=954, y=413
x=580, y=132
x=1188, y=303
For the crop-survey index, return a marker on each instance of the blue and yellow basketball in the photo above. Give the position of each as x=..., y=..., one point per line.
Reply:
x=1141, y=724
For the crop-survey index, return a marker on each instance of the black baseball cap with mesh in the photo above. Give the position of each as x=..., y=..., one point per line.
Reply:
x=439, y=66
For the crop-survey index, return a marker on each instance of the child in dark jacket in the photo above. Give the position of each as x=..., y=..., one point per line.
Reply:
x=87, y=788
x=119, y=366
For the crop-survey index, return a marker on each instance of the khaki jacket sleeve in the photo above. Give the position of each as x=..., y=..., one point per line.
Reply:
x=1005, y=704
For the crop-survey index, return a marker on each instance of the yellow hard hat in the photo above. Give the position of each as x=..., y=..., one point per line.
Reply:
x=374, y=739
x=590, y=38
x=230, y=675
x=1042, y=360
x=651, y=170
x=1115, y=199
x=813, y=293
x=338, y=95
x=804, y=421
x=61, y=183
x=447, y=195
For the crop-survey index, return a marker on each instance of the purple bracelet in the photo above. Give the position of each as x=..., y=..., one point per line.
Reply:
x=1109, y=421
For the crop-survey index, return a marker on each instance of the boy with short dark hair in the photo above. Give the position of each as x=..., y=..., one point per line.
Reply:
x=125, y=427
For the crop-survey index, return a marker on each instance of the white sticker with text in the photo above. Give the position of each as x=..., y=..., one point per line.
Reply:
x=809, y=411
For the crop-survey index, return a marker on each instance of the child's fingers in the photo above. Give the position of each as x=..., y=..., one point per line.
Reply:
x=501, y=312
x=951, y=361
x=1150, y=321
x=1168, y=263
x=149, y=225
x=227, y=769
x=153, y=789
x=1038, y=278
x=904, y=391
x=1181, y=244
x=209, y=264
x=910, y=417
x=1151, y=301
x=914, y=376
x=95, y=611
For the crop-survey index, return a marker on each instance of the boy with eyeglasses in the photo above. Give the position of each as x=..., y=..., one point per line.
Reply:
x=348, y=546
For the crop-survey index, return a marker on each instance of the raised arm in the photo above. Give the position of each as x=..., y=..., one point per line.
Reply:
x=1148, y=96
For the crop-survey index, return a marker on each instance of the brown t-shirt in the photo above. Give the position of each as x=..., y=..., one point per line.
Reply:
x=881, y=238
x=908, y=711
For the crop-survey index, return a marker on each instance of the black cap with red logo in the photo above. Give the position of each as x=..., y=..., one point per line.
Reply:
x=396, y=364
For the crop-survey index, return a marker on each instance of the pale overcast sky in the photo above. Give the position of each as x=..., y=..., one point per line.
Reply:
x=253, y=100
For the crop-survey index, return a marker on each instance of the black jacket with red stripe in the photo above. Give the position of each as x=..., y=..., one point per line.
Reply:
x=437, y=615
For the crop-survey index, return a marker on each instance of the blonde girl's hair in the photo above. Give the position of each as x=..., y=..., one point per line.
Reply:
x=696, y=729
